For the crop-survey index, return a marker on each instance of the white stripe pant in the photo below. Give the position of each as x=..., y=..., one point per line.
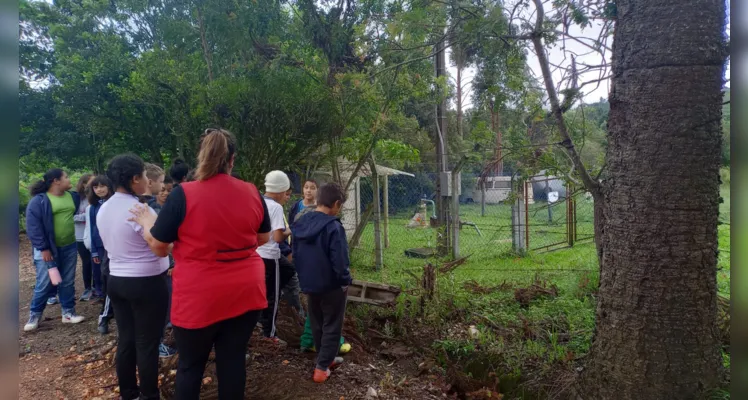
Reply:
x=277, y=274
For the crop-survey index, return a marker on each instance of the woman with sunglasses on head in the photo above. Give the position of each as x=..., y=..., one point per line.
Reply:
x=218, y=283
x=136, y=285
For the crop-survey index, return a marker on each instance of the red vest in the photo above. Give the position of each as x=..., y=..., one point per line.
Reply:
x=217, y=275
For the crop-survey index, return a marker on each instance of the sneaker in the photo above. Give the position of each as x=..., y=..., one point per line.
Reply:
x=103, y=325
x=275, y=340
x=165, y=351
x=320, y=376
x=338, y=361
x=72, y=318
x=33, y=322
x=86, y=296
x=52, y=301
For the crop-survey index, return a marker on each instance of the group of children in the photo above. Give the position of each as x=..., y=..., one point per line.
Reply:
x=90, y=194
x=307, y=252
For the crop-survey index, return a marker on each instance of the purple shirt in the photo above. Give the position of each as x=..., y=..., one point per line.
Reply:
x=128, y=252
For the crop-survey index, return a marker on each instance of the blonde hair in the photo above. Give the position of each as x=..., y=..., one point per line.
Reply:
x=217, y=147
x=153, y=171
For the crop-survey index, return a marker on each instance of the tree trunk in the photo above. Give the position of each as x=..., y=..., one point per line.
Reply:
x=656, y=335
x=460, y=133
x=204, y=43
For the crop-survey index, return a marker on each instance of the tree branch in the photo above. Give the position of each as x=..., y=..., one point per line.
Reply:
x=567, y=142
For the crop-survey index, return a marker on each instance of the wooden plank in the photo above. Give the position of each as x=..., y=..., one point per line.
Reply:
x=372, y=293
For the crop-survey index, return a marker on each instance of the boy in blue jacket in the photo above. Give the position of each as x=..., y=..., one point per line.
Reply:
x=320, y=249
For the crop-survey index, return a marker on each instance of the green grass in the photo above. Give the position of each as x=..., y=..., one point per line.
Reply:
x=561, y=327
x=494, y=242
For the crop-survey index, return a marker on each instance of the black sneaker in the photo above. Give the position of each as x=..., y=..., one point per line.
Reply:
x=103, y=325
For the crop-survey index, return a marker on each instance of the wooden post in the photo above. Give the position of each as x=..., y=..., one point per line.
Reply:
x=442, y=158
x=483, y=197
x=377, y=217
x=456, y=181
x=386, y=195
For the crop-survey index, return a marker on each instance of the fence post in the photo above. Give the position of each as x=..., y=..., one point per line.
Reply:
x=377, y=217
x=386, y=195
x=482, y=197
x=518, y=221
x=526, y=195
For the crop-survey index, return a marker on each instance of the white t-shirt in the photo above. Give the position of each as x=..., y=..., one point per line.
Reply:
x=271, y=250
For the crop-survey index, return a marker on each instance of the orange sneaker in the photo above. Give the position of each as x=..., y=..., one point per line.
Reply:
x=320, y=376
x=338, y=361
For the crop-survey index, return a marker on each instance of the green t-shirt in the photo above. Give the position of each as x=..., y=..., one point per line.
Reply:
x=63, y=210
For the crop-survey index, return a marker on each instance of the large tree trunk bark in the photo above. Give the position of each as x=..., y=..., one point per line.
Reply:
x=656, y=335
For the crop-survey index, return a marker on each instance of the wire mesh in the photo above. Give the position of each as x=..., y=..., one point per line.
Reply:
x=408, y=207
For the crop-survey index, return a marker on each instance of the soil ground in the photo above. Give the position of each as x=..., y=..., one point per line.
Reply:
x=75, y=362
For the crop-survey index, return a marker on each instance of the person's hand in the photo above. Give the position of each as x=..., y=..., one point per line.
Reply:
x=290, y=257
x=141, y=215
x=345, y=289
x=47, y=256
x=97, y=260
x=169, y=271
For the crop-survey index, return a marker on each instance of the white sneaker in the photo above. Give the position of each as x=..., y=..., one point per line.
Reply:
x=72, y=318
x=33, y=323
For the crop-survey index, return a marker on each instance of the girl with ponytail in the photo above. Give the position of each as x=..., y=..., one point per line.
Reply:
x=216, y=224
x=136, y=286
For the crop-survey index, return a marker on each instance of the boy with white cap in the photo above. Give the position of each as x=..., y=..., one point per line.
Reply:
x=278, y=271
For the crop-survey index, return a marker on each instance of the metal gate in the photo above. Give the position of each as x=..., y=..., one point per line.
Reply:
x=553, y=219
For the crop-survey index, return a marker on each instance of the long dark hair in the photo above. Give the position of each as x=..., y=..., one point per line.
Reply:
x=179, y=170
x=48, y=179
x=217, y=147
x=98, y=181
x=82, y=184
x=122, y=169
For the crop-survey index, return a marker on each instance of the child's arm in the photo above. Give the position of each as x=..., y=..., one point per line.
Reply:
x=35, y=226
x=339, y=255
x=94, y=241
x=87, y=230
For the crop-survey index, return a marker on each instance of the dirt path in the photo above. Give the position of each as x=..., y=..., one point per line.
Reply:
x=75, y=362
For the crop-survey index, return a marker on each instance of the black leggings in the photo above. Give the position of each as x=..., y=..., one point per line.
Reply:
x=140, y=305
x=86, y=266
x=230, y=338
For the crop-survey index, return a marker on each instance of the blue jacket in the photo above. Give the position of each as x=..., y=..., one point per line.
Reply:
x=285, y=248
x=153, y=203
x=40, y=224
x=97, y=246
x=320, y=252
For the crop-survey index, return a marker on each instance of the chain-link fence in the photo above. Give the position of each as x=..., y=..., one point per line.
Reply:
x=403, y=225
x=559, y=216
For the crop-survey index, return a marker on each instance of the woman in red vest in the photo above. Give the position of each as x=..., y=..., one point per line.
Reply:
x=215, y=225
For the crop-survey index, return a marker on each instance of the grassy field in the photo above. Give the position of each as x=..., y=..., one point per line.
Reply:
x=557, y=329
